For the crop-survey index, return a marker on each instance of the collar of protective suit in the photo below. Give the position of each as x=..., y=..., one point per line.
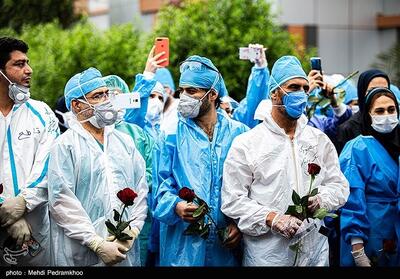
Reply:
x=190, y=122
x=76, y=126
x=273, y=126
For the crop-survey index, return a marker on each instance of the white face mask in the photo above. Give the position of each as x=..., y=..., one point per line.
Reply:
x=384, y=124
x=18, y=93
x=154, y=111
x=355, y=109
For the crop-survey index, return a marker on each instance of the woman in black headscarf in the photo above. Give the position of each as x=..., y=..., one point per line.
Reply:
x=352, y=127
x=370, y=222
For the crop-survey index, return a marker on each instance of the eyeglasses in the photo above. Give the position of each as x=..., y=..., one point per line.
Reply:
x=195, y=66
x=100, y=96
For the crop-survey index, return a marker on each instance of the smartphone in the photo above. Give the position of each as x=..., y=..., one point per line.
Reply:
x=126, y=101
x=162, y=45
x=249, y=53
x=316, y=64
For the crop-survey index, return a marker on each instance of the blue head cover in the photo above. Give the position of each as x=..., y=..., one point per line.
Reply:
x=159, y=88
x=395, y=90
x=202, y=74
x=351, y=91
x=82, y=84
x=164, y=76
x=285, y=68
x=116, y=82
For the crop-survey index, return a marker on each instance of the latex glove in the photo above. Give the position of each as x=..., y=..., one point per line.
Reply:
x=20, y=231
x=314, y=203
x=109, y=252
x=134, y=232
x=360, y=258
x=286, y=225
x=12, y=210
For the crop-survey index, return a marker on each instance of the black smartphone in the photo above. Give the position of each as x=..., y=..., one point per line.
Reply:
x=316, y=64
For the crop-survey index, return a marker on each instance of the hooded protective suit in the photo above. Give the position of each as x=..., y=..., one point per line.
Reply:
x=262, y=168
x=188, y=158
x=26, y=135
x=83, y=185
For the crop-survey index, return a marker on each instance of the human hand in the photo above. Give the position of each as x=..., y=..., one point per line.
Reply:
x=286, y=225
x=109, y=252
x=314, y=203
x=234, y=236
x=20, y=231
x=315, y=80
x=153, y=61
x=12, y=210
x=134, y=232
x=185, y=211
x=360, y=258
x=262, y=60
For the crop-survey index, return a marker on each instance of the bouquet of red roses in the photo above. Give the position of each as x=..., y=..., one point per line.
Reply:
x=202, y=226
x=127, y=196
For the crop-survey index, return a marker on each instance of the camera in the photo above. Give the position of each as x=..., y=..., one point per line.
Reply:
x=249, y=53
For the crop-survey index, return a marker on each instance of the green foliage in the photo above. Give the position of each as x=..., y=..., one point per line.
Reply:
x=16, y=14
x=389, y=62
x=216, y=29
x=56, y=55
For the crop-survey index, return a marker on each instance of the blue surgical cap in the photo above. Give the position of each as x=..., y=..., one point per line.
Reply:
x=351, y=91
x=395, y=90
x=203, y=76
x=159, y=88
x=82, y=84
x=115, y=82
x=165, y=78
x=284, y=69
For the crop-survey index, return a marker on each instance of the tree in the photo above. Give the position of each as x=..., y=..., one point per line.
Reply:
x=15, y=14
x=216, y=29
x=56, y=54
x=389, y=62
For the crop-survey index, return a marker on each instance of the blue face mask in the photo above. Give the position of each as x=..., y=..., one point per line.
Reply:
x=295, y=103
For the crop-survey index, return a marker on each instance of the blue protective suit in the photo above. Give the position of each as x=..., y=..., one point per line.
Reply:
x=371, y=212
x=188, y=158
x=257, y=90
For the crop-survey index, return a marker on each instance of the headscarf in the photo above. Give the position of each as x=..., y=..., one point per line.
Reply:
x=200, y=72
x=390, y=141
x=82, y=84
x=363, y=82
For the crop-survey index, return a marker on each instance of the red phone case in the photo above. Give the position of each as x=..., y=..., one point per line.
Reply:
x=162, y=44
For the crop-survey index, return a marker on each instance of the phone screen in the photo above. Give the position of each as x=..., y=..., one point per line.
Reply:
x=162, y=45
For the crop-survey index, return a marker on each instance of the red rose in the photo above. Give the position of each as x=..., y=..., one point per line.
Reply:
x=187, y=194
x=127, y=196
x=313, y=169
x=389, y=246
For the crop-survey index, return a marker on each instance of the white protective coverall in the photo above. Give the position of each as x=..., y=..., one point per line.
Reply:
x=83, y=184
x=262, y=168
x=26, y=135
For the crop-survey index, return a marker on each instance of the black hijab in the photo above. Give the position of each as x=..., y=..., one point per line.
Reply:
x=390, y=141
x=363, y=82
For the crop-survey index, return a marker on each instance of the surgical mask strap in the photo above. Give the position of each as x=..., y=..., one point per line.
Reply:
x=6, y=78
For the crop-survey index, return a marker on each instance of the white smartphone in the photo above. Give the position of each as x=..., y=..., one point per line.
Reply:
x=126, y=100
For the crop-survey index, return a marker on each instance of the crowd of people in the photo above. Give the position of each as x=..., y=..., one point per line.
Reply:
x=202, y=180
